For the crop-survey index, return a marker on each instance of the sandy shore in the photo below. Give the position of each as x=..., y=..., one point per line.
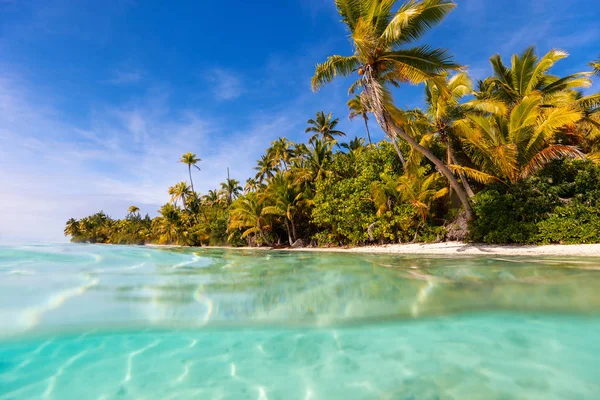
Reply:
x=458, y=248
x=452, y=248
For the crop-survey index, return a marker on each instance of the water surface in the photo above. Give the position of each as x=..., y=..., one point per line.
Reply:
x=91, y=321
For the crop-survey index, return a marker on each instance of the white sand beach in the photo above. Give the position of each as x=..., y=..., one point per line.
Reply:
x=459, y=248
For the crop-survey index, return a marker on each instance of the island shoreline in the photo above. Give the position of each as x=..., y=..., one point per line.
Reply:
x=444, y=248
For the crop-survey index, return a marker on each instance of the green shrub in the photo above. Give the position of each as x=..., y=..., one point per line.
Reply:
x=570, y=224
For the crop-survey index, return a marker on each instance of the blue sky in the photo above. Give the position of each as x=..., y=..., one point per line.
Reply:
x=98, y=102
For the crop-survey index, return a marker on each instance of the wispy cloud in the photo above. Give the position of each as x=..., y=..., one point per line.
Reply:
x=51, y=170
x=227, y=85
x=125, y=77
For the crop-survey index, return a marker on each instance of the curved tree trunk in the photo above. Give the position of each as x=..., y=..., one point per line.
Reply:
x=379, y=103
x=462, y=195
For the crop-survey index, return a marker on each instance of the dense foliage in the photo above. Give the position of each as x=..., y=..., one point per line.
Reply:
x=515, y=155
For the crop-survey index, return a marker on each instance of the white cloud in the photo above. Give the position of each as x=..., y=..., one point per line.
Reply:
x=51, y=170
x=123, y=77
x=226, y=84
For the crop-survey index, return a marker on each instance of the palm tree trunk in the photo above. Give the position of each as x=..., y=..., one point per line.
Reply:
x=367, y=127
x=463, y=179
x=289, y=233
x=462, y=195
x=191, y=182
x=400, y=156
x=294, y=236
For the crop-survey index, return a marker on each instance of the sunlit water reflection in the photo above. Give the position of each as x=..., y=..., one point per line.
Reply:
x=83, y=321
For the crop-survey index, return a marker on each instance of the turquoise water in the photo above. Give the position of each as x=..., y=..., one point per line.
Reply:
x=111, y=322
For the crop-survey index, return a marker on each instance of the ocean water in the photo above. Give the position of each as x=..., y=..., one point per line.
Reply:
x=117, y=322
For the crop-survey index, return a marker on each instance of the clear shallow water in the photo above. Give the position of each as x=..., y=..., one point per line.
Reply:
x=82, y=321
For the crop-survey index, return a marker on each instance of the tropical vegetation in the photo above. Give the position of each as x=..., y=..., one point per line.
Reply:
x=512, y=158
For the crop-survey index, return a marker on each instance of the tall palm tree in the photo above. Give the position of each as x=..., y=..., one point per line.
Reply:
x=528, y=74
x=442, y=98
x=190, y=159
x=324, y=126
x=179, y=191
x=358, y=108
x=510, y=147
x=378, y=35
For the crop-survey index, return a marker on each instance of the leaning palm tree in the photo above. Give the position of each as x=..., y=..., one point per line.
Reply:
x=359, y=109
x=324, y=126
x=190, y=159
x=179, y=191
x=379, y=35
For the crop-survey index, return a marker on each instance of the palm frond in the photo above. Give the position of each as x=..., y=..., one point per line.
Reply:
x=413, y=19
x=543, y=66
x=550, y=153
x=474, y=174
x=334, y=66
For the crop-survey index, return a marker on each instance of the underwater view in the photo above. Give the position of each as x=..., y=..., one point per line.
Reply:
x=104, y=322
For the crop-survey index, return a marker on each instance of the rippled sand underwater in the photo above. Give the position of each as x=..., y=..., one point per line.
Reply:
x=104, y=322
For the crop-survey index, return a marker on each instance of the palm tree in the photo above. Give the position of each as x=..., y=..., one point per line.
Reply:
x=444, y=108
x=212, y=197
x=247, y=213
x=596, y=66
x=190, y=159
x=282, y=198
x=354, y=145
x=168, y=224
x=324, y=126
x=133, y=210
x=378, y=35
x=265, y=168
x=358, y=108
x=528, y=74
x=510, y=147
x=419, y=190
x=179, y=191
x=72, y=228
x=280, y=152
x=312, y=163
x=252, y=185
x=231, y=188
